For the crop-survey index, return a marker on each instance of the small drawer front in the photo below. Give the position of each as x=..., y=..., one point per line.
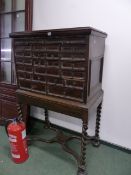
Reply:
x=73, y=93
x=66, y=92
x=56, y=90
x=25, y=83
x=39, y=77
x=52, y=70
x=55, y=80
x=52, y=65
x=75, y=83
x=38, y=86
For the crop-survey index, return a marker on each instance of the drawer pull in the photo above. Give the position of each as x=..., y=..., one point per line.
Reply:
x=49, y=33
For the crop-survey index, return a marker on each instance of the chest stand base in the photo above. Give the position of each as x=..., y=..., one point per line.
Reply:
x=63, y=139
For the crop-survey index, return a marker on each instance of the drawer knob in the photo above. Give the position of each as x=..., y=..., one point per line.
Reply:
x=49, y=33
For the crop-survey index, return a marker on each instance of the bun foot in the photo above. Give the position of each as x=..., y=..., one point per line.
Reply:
x=81, y=171
x=96, y=143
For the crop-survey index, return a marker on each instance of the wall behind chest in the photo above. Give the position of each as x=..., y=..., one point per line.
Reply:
x=112, y=17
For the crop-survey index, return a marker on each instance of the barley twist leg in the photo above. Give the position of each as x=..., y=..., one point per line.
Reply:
x=82, y=164
x=20, y=115
x=47, y=122
x=96, y=141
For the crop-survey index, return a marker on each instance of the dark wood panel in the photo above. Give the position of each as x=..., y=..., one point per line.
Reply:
x=9, y=109
x=7, y=102
x=7, y=91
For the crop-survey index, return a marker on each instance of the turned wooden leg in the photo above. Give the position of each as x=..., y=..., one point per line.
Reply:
x=47, y=122
x=82, y=164
x=96, y=141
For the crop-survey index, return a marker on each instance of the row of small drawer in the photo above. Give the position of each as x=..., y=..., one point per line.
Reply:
x=52, y=47
x=50, y=55
x=40, y=42
x=67, y=92
x=66, y=62
x=29, y=73
x=56, y=80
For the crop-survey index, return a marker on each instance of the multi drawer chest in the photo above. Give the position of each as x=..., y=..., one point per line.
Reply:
x=61, y=70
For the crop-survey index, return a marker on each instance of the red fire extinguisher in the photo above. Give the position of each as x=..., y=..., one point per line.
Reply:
x=17, y=137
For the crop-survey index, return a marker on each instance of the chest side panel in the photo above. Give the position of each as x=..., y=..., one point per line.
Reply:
x=96, y=59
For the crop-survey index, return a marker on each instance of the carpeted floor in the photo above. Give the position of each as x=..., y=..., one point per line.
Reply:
x=50, y=159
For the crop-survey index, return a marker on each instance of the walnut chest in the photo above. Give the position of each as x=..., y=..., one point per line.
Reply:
x=64, y=63
x=61, y=70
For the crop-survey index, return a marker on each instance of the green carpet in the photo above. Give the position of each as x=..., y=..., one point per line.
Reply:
x=50, y=159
